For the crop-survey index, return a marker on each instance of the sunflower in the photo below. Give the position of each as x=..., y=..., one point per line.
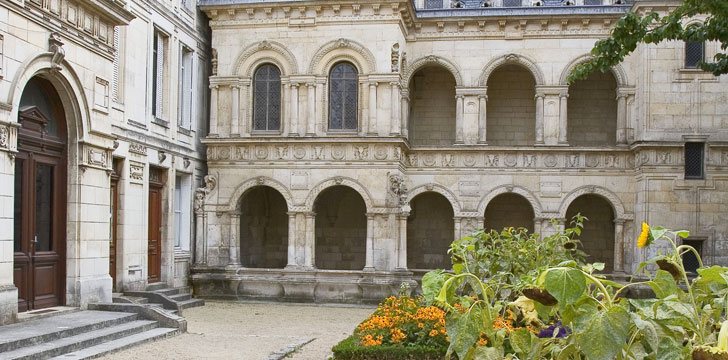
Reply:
x=645, y=236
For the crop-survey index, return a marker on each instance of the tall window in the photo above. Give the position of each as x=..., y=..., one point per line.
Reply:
x=185, y=88
x=694, y=159
x=158, y=57
x=118, y=75
x=343, y=95
x=182, y=219
x=267, y=99
x=694, y=53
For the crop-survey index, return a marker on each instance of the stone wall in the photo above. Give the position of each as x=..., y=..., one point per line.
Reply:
x=509, y=210
x=592, y=111
x=597, y=236
x=263, y=229
x=432, y=118
x=511, y=107
x=429, y=232
x=341, y=229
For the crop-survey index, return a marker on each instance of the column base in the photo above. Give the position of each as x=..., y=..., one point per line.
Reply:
x=235, y=135
x=395, y=134
x=8, y=304
x=310, y=134
x=293, y=135
x=369, y=269
x=482, y=142
x=86, y=290
x=292, y=267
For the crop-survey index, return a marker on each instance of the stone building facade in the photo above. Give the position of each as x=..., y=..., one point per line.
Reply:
x=83, y=149
x=350, y=142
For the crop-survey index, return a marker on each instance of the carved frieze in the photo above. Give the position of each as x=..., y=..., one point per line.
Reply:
x=138, y=149
x=136, y=172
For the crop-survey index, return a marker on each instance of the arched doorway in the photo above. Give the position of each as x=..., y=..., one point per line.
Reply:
x=263, y=229
x=341, y=229
x=597, y=236
x=509, y=210
x=511, y=110
x=432, y=115
x=40, y=197
x=430, y=231
x=592, y=111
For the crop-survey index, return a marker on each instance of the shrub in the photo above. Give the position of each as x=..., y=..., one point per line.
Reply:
x=351, y=349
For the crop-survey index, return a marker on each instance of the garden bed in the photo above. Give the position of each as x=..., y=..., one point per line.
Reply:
x=351, y=349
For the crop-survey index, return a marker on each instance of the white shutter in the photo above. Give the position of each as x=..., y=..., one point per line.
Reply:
x=117, y=64
x=160, y=75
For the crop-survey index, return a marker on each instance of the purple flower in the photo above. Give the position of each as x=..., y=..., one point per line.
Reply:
x=549, y=332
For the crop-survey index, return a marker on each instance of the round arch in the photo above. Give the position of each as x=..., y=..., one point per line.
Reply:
x=433, y=60
x=515, y=59
x=240, y=191
x=617, y=70
x=265, y=52
x=610, y=197
x=342, y=50
x=336, y=181
x=505, y=189
x=69, y=88
x=449, y=195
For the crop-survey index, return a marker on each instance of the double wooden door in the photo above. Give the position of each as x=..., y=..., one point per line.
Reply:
x=40, y=215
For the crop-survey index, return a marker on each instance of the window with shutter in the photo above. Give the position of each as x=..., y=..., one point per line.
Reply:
x=158, y=74
x=343, y=97
x=115, y=77
x=267, y=99
x=185, y=87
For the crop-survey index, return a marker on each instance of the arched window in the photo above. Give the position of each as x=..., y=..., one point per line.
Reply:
x=343, y=95
x=267, y=98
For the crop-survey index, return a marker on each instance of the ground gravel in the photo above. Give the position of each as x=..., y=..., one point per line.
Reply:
x=253, y=331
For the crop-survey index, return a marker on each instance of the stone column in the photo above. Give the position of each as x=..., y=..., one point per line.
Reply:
x=373, y=109
x=404, y=108
x=310, y=248
x=293, y=131
x=539, y=118
x=459, y=137
x=200, y=237
x=458, y=222
x=369, y=264
x=287, y=109
x=563, y=118
x=245, y=124
x=364, y=123
x=235, y=113
x=618, y=245
x=234, y=238
x=291, y=240
x=213, y=110
x=396, y=125
x=311, y=117
x=482, y=113
x=621, y=118
x=402, y=244
x=318, y=128
x=537, y=223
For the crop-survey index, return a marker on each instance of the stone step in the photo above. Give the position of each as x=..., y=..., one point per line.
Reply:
x=156, y=286
x=180, y=297
x=186, y=304
x=69, y=344
x=119, y=344
x=35, y=332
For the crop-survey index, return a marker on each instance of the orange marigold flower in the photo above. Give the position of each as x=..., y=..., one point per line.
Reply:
x=433, y=333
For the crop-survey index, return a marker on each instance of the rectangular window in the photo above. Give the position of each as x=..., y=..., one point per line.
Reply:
x=592, y=2
x=182, y=206
x=694, y=155
x=511, y=3
x=689, y=259
x=158, y=61
x=694, y=53
x=117, y=76
x=186, y=88
x=433, y=4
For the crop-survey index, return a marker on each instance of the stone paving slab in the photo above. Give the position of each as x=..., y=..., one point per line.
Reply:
x=254, y=331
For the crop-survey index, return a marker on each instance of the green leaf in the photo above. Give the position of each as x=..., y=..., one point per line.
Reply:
x=487, y=353
x=598, y=266
x=683, y=234
x=605, y=334
x=668, y=349
x=521, y=341
x=712, y=274
x=464, y=330
x=566, y=285
x=432, y=284
x=664, y=285
x=648, y=330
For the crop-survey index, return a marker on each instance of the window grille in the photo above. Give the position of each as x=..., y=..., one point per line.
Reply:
x=433, y=4
x=694, y=53
x=690, y=261
x=511, y=3
x=267, y=98
x=694, y=154
x=592, y=2
x=343, y=95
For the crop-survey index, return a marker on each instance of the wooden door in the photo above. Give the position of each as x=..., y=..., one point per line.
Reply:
x=154, y=250
x=114, y=200
x=40, y=213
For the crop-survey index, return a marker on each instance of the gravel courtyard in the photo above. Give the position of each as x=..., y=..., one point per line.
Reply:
x=254, y=331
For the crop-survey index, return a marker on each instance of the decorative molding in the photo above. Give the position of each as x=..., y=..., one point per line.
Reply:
x=437, y=188
x=136, y=172
x=512, y=58
x=137, y=148
x=618, y=71
x=262, y=51
x=243, y=188
x=337, y=181
x=612, y=198
x=514, y=189
x=358, y=53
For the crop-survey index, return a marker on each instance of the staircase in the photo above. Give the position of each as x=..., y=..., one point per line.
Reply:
x=79, y=335
x=159, y=294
